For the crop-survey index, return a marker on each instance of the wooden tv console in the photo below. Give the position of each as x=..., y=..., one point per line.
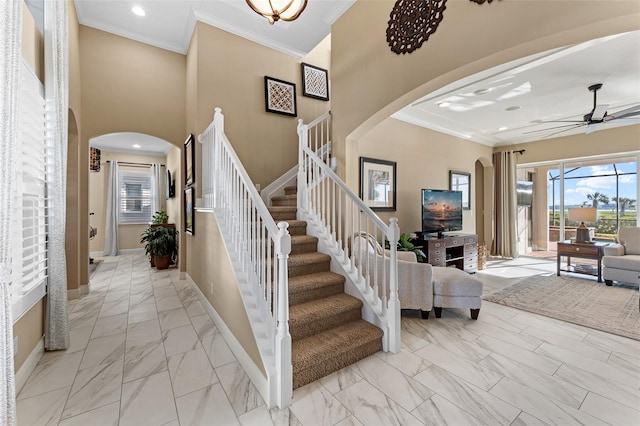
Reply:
x=460, y=251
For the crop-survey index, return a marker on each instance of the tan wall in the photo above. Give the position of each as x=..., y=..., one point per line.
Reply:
x=128, y=235
x=32, y=44
x=230, y=75
x=29, y=330
x=129, y=86
x=370, y=82
x=212, y=271
x=424, y=158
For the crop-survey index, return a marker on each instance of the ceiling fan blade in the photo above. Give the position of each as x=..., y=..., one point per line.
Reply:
x=634, y=110
x=599, y=111
x=565, y=130
x=623, y=116
x=580, y=123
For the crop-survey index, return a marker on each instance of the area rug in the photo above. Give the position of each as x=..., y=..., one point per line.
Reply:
x=613, y=309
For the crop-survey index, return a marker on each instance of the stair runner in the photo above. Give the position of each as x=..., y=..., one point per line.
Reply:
x=326, y=325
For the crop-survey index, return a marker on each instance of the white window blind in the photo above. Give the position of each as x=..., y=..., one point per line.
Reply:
x=136, y=197
x=29, y=267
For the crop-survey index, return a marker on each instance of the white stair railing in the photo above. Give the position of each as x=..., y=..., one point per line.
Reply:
x=261, y=248
x=344, y=217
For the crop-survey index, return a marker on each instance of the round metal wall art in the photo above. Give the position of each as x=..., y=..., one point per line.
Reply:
x=481, y=1
x=412, y=22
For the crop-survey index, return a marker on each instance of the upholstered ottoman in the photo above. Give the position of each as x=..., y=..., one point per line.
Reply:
x=454, y=288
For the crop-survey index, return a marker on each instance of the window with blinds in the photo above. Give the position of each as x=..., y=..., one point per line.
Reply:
x=29, y=267
x=136, y=197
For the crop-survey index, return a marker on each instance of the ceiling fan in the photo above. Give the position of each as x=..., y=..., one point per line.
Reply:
x=595, y=118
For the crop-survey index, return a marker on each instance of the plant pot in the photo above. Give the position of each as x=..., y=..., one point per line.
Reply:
x=162, y=262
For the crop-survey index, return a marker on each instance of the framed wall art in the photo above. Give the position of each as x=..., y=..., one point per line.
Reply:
x=461, y=181
x=280, y=96
x=378, y=183
x=315, y=82
x=189, y=197
x=189, y=161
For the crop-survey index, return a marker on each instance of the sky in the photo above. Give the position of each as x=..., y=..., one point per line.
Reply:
x=576, y=190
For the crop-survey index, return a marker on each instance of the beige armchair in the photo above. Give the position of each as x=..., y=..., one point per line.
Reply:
x=621, y=261
x=415, y=280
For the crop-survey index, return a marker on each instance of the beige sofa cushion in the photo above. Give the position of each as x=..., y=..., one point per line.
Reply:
x=629, y=236
x=629, y=262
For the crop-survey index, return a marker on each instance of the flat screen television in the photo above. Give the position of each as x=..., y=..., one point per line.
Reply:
x=441, y=211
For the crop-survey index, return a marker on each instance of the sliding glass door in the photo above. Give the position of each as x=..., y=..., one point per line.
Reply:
x=602, y=192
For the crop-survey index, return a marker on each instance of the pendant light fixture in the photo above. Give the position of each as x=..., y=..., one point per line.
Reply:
x=276, y=10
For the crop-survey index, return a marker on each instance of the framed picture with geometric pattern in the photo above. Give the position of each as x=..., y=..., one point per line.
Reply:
x=280, y=96
x=315, y=82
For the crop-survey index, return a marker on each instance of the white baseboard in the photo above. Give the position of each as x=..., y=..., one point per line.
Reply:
x=96, y=254
x=29, y=365
x=73, y=294
x=84, y=289
x=259, y=380
x=131, y=251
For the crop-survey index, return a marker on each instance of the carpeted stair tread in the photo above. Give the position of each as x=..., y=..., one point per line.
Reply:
x=317, y=356
x=303, y=244
x=290, y=190
x=316, y=316
x=283, y=213
x=285, y=200
x=297, y=227
x=305, y=288
x=308, y=263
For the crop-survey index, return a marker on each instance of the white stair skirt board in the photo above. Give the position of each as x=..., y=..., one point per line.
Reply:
x=253, y=372
x=29, y=365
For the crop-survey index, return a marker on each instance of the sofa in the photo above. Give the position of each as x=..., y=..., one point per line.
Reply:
x=621, y=261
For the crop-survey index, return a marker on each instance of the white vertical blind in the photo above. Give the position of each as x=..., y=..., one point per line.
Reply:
x=29, y=268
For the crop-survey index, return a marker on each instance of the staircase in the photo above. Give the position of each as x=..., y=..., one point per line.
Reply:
x=326, y=325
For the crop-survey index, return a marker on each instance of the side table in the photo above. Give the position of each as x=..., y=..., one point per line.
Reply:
x=582, y=250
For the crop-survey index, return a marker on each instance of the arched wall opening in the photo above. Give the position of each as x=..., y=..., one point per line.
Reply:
x=361, y=114
x=135, y=152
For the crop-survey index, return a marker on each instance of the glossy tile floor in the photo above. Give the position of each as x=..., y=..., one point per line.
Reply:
x=144, y=352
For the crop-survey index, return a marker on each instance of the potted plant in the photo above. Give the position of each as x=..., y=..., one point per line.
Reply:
x=405, y=244
x=145, y=238
x=163, y=242
x=160, y=217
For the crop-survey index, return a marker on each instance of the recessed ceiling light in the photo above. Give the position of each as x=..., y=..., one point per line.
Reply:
x=512, y=108
x=138, y=10
x=136, y=146
x=444, y=104
x=501, y=129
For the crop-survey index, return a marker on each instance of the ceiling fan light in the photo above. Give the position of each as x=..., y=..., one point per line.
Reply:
x=276, y=10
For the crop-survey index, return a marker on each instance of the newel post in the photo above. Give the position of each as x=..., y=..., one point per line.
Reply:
x=393, y=310
x=283, y=338
x=302, y=183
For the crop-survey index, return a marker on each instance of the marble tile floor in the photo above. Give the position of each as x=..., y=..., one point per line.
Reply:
x=144, y=352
